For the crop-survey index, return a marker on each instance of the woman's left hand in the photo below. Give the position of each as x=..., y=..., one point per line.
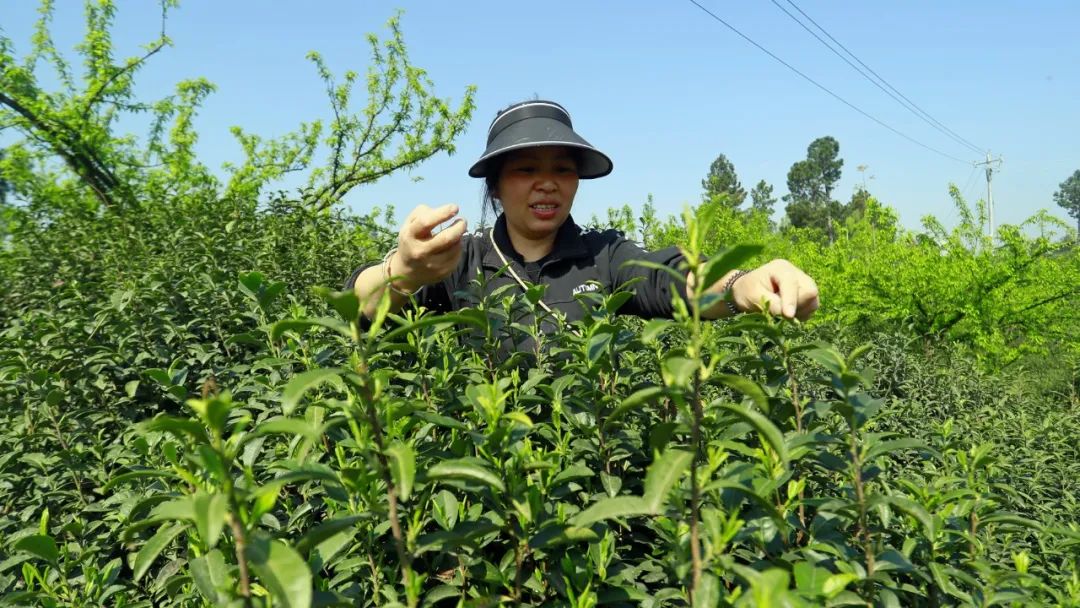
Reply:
x=782, y=287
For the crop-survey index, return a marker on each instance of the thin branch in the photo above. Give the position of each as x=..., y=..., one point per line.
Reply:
x=83, y=162
x=101, y=89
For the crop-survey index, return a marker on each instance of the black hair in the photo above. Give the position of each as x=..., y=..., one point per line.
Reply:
x=489, y=199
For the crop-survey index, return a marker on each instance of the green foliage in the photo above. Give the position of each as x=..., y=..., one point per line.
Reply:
x=401, y=125
x=284, y=456
x=75, y=124
x=810, y=185
x=722, y=182
x=1068, y=196
x=762, y=199
x=1008, y=303
x=70, y=148
x=5, y=187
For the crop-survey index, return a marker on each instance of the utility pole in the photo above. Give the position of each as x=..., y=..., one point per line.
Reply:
x=990, y=163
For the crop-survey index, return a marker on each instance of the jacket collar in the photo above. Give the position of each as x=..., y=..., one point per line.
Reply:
x=568, y=244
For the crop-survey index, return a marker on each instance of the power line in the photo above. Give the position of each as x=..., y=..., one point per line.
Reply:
x=906, y=105
x=910, y=105
x=969, y=182
x=823, y=87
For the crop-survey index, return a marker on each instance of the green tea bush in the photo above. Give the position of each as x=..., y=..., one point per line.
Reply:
x=1009, y=301
x=181, y=430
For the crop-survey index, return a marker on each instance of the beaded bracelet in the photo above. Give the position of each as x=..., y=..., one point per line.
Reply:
x=727, y=290
x=390, y=282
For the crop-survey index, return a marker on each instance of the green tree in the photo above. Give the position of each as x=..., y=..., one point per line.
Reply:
x=70, y=144
x=856, y=207
x=723, y=181
x=762, y=199
x=1068, y=196
x=810, y=186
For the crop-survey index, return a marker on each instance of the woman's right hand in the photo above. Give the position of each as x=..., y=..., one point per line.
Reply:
x=424, y=258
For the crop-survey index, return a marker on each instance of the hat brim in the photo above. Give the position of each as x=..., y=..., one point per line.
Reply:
x=537, y=132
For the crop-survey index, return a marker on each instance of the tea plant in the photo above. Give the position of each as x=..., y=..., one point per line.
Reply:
x=327, y=461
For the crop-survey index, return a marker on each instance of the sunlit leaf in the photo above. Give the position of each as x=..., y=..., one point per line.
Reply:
x=747, y=387
x=465, y=470
x=662, y=475
x=281, y=569
x=39, y=545
x=210, y=511
x=611, y=508
x=765, y=428
x=637, y=399
x=402, y=462
x=305, y=381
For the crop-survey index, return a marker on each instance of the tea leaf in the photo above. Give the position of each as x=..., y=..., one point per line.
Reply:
x=306, y=381
x=662, y=475
x=765, y=428
x=278, y=329
x=402, y=468
x=747, y=387
x=132, y=475
x=611, y=508
x=281, y=569
x=210, y=511
x=634, y=401
x=39, y=545
x=724, y=262
x=287, y=426
x=153, y=548
x=555, y=535
x=707, y=593
x=327, y=529
x=465, y=470
x=837, y=583
x=211, y=576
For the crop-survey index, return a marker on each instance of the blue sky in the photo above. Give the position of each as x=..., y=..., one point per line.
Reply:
x=659, y=85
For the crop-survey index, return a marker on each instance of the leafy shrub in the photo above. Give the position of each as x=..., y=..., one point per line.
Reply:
x=1007, y=300
x=285, y=455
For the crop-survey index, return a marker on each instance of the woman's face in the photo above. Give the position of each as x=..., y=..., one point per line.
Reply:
x=536, y=188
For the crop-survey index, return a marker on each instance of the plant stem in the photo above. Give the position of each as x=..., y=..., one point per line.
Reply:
x=374, y=575
x=797, y=404
x=973, y=528
x=233, y=516
x=600, y=425
x=240, y=541
x=519, y=560
x=64, y=444
x=695, y=491
x=391, y=489
x=860, y=498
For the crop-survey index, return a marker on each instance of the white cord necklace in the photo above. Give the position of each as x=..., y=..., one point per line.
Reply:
x=513, y=273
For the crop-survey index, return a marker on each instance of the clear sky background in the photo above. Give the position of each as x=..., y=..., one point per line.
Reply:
x=658, y=85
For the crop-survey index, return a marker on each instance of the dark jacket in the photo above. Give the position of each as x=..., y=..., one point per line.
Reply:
x=581, y=260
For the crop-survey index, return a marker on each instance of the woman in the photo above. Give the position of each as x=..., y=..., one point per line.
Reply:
x=531, y=167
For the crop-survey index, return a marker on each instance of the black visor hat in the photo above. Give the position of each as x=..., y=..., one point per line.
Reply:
x=532, y=124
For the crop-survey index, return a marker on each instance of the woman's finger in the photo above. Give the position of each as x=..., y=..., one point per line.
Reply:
x=787, y=282
x=757, y=293
x=807, y=309
x=425, y=220
x=448, y=237
x=808, y=298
